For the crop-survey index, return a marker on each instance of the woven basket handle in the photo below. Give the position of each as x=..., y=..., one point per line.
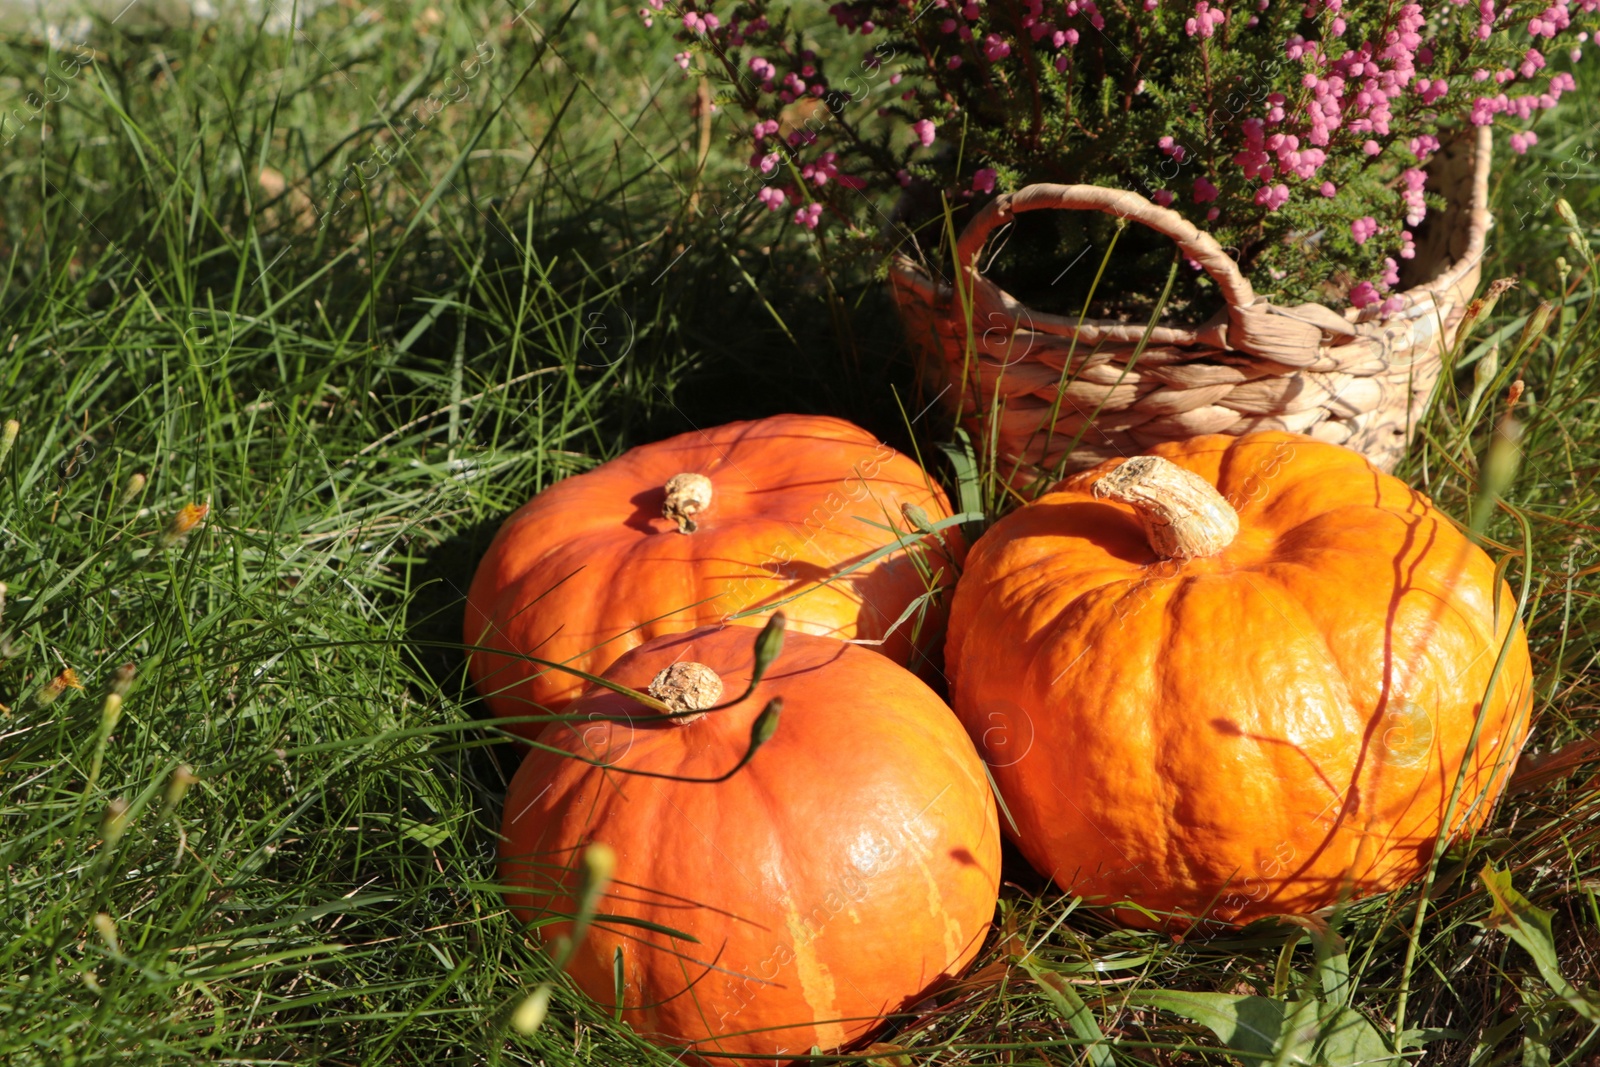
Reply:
x=1195, y=242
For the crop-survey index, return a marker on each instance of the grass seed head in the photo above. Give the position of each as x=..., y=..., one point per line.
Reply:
x=530, y=1014
x=178, y=784
x=135, y=486
x=51, y=691
x=122, y=679
x=114, y=823
x=188, y=517
x=106, y=927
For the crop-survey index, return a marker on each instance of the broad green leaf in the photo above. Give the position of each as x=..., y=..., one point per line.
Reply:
x=430, y=835
x=1333, y=962
x=1349, y=1039
x=1071, y=1007
x=1248, y=1026
x=1285, y=1032
x=1529, y=927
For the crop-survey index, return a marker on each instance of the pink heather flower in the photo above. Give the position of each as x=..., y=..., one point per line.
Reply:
x=1204, y=191
x=1364, y=295
x=1416, y=206
x=983, y=180
x=1162, y=197
x=1521, y=142
x=694, y=23
x=903, y=177
x=1431, y=91
x=1372, y=148
x=682, y=59
x=953, y=62
x=644, y=16
x=1363, y=228
x=762, y=130
x=807, y=215
x=1391, y=305
x=1272, y=197
x=1329, y=190
x=1408, y=245
x=1391, y=273
x=773, y=198
x=1151, y=5
x=1061, y=63
x=1212, y=214
x=1205, y=21
x=1338, y=27
x=924, y=129
x=949, y=25
x=1072, y=38
x=1424, y=146
x=995, y=47
x=825, y=168
x=1532, y=61
x=768, y=163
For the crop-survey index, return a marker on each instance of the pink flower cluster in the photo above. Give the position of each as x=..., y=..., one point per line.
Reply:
x=1205, y=21
x=995, y=45
x=1365, y=294
x=1350, y=109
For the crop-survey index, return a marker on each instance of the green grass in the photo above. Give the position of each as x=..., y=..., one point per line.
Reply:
x=535, y=281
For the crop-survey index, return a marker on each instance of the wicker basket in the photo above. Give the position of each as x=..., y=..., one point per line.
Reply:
x=1355, y=378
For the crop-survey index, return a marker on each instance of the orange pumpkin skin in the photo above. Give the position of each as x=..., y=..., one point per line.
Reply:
x=847, y=868
x=1253, y=733
x=589, y=568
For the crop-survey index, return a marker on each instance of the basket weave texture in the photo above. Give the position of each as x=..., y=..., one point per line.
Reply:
x=1355, y=378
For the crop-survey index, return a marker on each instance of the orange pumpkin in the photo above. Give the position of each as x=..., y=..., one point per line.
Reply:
x=845, y=870
x=1236, y=679
x=768, y=510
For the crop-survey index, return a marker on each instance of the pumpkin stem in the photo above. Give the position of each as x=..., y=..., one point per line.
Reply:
x=687, y=496
x=688, y=689
x=1183, y=515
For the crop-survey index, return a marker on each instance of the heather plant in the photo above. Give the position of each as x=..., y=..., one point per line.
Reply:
x=1295, y=131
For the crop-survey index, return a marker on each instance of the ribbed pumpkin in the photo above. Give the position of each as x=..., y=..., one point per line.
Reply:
x=698, y=528
x=853, y=862
x=1236, y=677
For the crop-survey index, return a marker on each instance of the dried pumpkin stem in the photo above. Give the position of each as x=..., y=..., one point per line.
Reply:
x=689, y=689
x=687, y=496
x=1183, y=515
